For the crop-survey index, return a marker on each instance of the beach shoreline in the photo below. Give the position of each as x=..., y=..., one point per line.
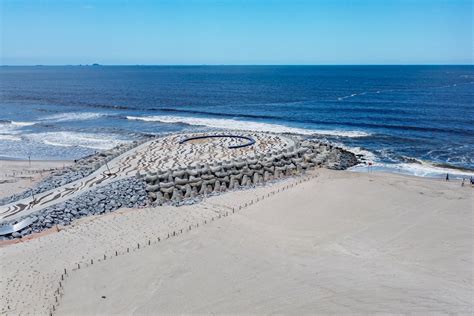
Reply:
x=399, y=198
x=17, y=176
x=306, y=214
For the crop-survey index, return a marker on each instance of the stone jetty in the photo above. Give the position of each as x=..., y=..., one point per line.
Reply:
x=177, y=185
x=164, y=170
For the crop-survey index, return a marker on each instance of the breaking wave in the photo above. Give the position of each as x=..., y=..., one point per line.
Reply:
x=72, y=116
x=418, y=168
x=16, y=123
x=10, y=130
x=245, y=125
x=77, y=139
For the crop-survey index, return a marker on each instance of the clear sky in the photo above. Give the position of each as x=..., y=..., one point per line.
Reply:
x=236, y=32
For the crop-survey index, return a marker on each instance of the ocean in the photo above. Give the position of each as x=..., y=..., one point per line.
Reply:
x=410, y=119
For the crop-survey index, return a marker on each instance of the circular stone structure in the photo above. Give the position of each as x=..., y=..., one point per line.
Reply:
x=250, y=140
x=161, y=153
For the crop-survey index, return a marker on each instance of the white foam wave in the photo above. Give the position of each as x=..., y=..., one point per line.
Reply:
x=351, y=96
x=10, y=137
x=422, y=169
x=419, y=168
x=361, y=153
x=17, y=123
x=10, y=129
x=246, y=125
x=77, y=139
x=72, y=116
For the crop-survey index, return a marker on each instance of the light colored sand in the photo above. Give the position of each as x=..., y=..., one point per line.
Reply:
x=343, y=242
x=19, y=175
x=30, y=271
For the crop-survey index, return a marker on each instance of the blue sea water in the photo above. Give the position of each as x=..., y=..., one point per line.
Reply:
x=414, y=119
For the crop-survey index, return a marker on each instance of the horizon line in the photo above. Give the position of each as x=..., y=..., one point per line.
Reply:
x=217, y=65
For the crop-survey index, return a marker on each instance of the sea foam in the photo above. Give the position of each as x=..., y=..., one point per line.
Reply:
x=245, y=125
x=77, y=139
x=72, y=116
x=17, y=123
x=423, y=169
x=10, y=130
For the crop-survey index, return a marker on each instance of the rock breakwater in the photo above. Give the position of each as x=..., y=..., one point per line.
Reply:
x=181, y=184
x=129, y=192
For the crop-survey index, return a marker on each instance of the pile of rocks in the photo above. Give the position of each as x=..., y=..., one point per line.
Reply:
x=201, y=179
x=129, y=192
x=82, y=168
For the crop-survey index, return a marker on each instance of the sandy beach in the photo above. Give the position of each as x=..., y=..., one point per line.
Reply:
x=340, y=242
x=236, y=157
x=19, y=175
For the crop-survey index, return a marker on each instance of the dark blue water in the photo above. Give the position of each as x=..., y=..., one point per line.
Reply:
x=412, y=118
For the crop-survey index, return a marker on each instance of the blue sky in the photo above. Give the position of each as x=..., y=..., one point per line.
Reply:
x=236, y=32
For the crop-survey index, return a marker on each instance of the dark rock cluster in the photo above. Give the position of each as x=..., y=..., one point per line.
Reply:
x=129, y=192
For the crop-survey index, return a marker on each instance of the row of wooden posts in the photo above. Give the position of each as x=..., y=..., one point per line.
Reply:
x=59, y=292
